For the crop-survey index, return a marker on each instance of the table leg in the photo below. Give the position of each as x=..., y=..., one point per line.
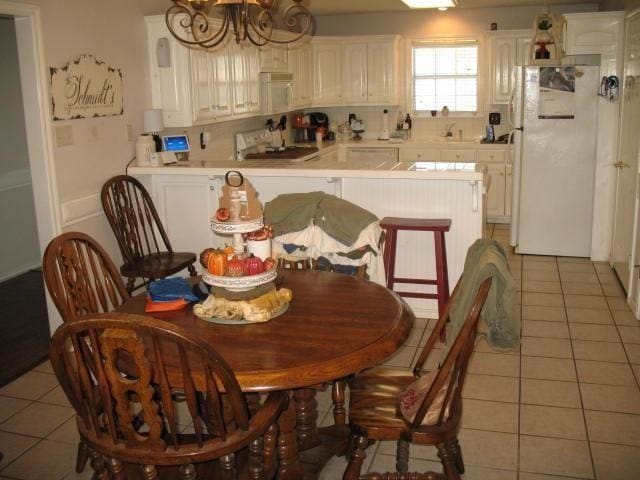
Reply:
x=307, y=418
x=289, y=466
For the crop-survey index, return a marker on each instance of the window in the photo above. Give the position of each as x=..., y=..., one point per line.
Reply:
x=445, y=74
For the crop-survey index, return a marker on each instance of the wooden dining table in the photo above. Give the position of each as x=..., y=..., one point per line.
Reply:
x=335, y=326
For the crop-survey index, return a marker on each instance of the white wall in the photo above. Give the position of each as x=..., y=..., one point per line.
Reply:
x=19, y=240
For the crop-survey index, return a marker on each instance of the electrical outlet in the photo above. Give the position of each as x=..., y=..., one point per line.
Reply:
x=64, y=135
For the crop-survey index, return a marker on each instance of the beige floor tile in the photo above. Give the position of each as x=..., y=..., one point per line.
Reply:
x=579, y=277
x=608, y=278
x=585, y=301
x=544, y=421
x=541, y=276
x=589, y=315
x=494, y=364
x=30, y=386
x=56, y=397
x=491, y=416
x=542, y=368
x=37, y=420
x=537, y=328
x=542, y=299
x=541, y=287
x=613, y=290
x=600, y=351
x=617, y=303
x=603, y=267
x=575, y=288
x=402, y=358
x=538, y=258
x=539, y=266
x=44, y=367
x=551, y=393
x=633, y=351
x=542, y=476
x=489, y=449
x=67, y=432
x=609, y=427
x=491, y=387
x=9, y=406
x=636, y=371
x=575, y=267
x=414, y=337
x=387, y=463
x=574, y=260
x=615, y=462
x=546, y=347
x=629, y=334
x=12, y=446
x=610, y=398
x=625, y=317
x=46, y=461
x=604, y=373
x=483, y=346
x=584, y=331
x=555, y=456
x=86, y=475
x=474, y=472
x=549, y=314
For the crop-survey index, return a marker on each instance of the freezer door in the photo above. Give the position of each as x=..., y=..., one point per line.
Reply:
x=557, y=170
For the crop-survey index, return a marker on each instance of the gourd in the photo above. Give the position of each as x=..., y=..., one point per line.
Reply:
x=235, y=267
x=204, y=257
x=253, y=266
x=217, y=262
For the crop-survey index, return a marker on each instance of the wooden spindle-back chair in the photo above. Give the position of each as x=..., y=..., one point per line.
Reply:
x=122, y=374
x=144, y=244
x=374, y=412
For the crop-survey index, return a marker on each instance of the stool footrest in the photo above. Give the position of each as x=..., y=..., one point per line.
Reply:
x=417, y=295
x=418, y=281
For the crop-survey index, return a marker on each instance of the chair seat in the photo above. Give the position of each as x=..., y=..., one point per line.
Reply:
x=158, y=265
x=373, y=403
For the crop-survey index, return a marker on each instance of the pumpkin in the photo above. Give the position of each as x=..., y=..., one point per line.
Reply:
x=269, y=263
x=235, y=267
x=217, y=262
x=204, y=257
x=253, y=265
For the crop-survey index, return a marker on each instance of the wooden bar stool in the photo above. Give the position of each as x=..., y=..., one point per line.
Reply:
x=438, y=227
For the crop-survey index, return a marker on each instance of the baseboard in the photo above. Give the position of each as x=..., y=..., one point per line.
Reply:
x=19, y=270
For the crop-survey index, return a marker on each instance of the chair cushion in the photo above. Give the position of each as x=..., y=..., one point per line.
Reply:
x=158, y=265
x=410, y=399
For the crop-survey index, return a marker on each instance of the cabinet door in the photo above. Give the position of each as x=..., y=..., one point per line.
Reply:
x=354, y=73
x=382, y=82
x=221, y=82
x=252, y=81
x=508, y=196
x=210, y=85
x=300, y=63
x=274, y=58
x=327, y=74
x=495, y=196
x=503, y=56
x=240, y=76
x=523, y=46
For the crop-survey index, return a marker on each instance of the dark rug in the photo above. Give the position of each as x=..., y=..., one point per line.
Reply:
x=24, y=325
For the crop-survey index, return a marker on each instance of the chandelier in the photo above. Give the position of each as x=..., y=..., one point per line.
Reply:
x=253, y=20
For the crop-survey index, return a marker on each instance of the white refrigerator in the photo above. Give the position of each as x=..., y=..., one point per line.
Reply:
x=555, y=112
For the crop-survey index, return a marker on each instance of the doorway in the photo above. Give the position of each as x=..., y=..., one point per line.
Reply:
x=627, y=165
x=38, y=217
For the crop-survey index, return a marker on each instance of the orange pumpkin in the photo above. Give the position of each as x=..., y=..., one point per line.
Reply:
x=217, y=262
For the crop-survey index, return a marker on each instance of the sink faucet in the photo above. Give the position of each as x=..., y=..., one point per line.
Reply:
x=447, y=129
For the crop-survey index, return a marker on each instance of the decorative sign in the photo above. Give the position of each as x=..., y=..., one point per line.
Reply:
x=557, y=99
x=86, y=88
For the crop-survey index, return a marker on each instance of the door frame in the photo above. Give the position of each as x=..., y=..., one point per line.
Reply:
x=36, y=104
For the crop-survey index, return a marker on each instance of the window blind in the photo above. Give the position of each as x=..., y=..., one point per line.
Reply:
x=445, y=74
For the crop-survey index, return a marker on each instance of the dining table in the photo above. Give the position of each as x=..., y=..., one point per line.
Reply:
x=335, y=326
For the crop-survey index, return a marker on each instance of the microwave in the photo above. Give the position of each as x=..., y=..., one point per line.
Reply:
x=276, y=92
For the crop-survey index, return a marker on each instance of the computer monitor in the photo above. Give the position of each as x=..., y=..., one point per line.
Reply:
x=176, y=143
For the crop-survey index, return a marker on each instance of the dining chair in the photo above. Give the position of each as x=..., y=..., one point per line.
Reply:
x=144, y=244
x=123, y=375
x=374, y=404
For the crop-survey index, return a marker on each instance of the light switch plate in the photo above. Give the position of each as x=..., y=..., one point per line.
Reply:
x=64, y=135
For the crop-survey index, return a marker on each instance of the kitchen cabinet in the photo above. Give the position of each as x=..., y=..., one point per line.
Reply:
x=593, y=33
x=382, y=71
x=211, y=86
x=497, y=190
x=301, y=66
x=245, y=65
x=355, y=72
x=419, y=155
x=507, y=49
x=274, y=57
x=327, y=73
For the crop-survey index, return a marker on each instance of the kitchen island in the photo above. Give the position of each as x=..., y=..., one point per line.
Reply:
x=186, y=196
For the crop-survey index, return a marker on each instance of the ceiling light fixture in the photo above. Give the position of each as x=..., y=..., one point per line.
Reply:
x=440, y=4
x=252, y=20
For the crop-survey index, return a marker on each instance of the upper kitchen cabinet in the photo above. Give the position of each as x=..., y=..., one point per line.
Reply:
x=507, y=48
x=274, y=57
x=211, y=85
x=356, y=70
x=245, y=67
x=594, y=33
x=301, y=66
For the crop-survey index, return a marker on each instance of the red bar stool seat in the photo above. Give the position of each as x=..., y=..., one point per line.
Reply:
x=438, y=227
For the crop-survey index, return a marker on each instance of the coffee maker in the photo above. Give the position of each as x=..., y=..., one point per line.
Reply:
x=316, y=120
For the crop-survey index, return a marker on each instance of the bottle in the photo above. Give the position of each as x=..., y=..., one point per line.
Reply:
x=445, y=111
x=400, y=120
x=407, y=121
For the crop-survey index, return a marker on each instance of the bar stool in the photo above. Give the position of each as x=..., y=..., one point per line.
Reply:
x=438, y=227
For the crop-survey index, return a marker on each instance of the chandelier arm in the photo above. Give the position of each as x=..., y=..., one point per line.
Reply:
x=290, y=21
x=189, y=23
x=223, y=32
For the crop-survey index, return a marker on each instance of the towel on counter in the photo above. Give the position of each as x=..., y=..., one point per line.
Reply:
x=340, y=219
x=487, y=258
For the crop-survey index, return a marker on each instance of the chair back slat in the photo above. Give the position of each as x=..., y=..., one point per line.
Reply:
x=453, y=368
x=123, y=373
x=133, y=218
x=80, y=276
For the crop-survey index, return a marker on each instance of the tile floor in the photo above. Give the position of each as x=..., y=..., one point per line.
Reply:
x=565, y=406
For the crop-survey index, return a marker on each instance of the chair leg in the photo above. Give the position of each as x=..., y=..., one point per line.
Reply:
x=187, y=472
x=149, y=472
x=98, y=466
x=82, y=457
x=356, y=457
x=270, y=443
x=116, y=469
x=448, y=462
x=228, y=465
x=192, y=271
x=456, y=451
x=131, y=281
x=256, y=459
x=338, y=397
x=402, y=456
